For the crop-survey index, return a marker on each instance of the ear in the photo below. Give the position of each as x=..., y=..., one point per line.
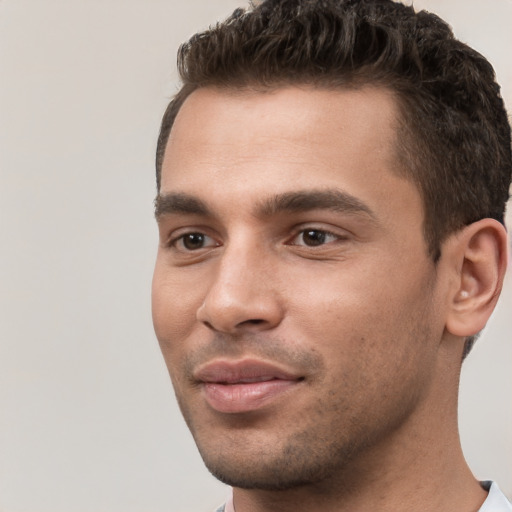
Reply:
x=479, y=255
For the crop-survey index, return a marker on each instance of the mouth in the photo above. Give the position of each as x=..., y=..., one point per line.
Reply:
x=244, y=386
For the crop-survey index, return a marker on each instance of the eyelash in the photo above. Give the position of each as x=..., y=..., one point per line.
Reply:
x=179, y=242
x=173, y=242
x=323, y=232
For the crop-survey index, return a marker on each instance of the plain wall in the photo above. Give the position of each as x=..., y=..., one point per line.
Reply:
x=88, y=420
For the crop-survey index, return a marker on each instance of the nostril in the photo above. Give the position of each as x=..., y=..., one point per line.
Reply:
x=250, y=322
x=255, y=321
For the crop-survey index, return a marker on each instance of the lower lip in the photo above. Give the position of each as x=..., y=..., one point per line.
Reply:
x=246, y=397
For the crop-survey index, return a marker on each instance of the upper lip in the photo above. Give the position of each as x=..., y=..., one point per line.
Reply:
x=241, y=371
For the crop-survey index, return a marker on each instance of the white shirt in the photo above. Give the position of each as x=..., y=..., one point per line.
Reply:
x=496, y=501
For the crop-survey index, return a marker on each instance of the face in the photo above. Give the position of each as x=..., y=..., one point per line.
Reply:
x=293, y=298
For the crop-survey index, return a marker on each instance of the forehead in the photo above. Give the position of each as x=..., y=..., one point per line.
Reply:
x=250, y=143
x=239, y=120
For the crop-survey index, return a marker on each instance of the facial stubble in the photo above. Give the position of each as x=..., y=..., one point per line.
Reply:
x=267, y=450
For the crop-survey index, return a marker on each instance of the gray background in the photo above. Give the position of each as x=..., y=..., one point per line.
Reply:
x=87, y=416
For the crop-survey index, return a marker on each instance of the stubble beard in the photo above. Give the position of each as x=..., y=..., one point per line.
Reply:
x=322, y=446
x=299, y=463
x=319, y=456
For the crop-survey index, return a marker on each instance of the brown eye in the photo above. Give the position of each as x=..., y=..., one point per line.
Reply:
x=194, y=242
x=314, y=237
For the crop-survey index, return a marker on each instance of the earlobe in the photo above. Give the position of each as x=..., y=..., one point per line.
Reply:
x=480, y=257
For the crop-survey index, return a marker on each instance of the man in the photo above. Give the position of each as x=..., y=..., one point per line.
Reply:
x=332, y=178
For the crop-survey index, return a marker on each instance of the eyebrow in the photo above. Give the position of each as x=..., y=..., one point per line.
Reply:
x=305, y=200
x=179, y=203
x=288, y=202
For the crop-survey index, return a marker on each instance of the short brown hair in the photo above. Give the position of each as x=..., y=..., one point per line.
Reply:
x=454, y=139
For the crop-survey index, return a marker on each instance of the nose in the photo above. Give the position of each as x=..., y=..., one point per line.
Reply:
x=242, y=295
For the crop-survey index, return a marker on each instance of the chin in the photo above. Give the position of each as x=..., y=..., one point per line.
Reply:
x=263, y=477
x=295, y=464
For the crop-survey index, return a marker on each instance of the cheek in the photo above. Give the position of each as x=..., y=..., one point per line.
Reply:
x=332, y=303
x=174, y=306
x=370, y=315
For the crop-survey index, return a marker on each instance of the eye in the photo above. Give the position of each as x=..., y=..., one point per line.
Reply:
x=193, y=242
x=314, y=238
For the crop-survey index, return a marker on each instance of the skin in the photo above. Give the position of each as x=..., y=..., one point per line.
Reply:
x=346, y=299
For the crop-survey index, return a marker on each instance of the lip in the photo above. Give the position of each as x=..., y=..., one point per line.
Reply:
x=243, y=386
